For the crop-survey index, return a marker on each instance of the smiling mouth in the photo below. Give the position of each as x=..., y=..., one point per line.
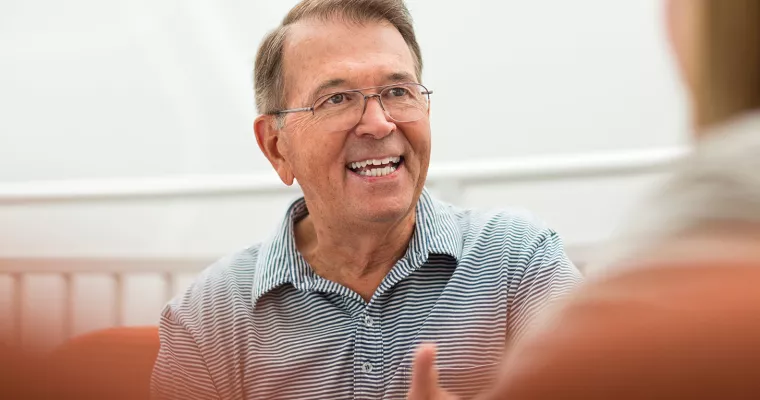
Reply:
x=376, y=167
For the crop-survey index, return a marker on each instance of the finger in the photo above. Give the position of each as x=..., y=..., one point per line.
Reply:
x=424, y=383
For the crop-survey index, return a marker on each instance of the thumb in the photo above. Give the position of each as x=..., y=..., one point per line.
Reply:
x=424, y=385
x=424, y=373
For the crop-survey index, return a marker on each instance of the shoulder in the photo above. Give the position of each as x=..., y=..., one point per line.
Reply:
x=223, y=287
x=510, y=230
x=517, y=245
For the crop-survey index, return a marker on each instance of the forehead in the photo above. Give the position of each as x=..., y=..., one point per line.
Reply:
x=362, y=55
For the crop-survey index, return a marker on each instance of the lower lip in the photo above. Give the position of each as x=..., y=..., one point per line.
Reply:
x=378, y=178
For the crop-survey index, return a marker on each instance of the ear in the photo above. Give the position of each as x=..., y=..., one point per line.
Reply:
x=268, y=138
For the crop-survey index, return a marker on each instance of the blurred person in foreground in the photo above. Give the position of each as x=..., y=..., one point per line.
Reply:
x=674, y=310
x=367, y=264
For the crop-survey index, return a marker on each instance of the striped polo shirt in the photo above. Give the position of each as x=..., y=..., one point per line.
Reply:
x=260, y=324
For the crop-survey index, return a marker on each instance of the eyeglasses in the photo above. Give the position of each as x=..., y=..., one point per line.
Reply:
x=404, y=102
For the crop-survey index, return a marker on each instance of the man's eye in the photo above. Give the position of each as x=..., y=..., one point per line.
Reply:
x=336, y=98
x=399, y=92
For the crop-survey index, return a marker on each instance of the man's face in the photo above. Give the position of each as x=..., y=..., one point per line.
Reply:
x=325, y=57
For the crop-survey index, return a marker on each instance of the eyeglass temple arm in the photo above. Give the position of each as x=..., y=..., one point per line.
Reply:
x=292, y=110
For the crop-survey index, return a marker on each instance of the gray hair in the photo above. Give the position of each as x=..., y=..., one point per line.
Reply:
x=268, y=74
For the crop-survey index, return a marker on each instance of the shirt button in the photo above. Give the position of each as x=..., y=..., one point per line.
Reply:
x=368, y=320
x=367, y=368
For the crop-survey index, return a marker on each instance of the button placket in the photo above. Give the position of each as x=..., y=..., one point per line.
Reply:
x=370, y=340
x=368, y=356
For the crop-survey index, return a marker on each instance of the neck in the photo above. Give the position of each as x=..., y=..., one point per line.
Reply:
x=357, y=257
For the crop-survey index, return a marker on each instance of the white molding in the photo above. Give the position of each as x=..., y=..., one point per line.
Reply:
x=556, y=167
x=458, y=173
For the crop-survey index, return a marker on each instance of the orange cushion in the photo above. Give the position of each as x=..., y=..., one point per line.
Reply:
x=114, y=363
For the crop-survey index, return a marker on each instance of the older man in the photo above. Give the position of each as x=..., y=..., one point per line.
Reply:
x=367, y=264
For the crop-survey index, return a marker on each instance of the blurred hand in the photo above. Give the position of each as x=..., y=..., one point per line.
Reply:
x=424, y=384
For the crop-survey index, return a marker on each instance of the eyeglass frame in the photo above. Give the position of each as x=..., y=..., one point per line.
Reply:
x=427, y=92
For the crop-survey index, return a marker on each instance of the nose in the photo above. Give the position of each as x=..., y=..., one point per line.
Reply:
x=375, y=121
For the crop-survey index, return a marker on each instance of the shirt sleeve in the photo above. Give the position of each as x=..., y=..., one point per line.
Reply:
x=547, y=276
x=180, y=371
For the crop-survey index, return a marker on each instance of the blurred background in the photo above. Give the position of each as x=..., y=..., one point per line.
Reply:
x=128, y=161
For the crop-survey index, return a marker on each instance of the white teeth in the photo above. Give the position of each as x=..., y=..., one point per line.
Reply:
x=378, y=171
x=362, y=164
x=358, y=166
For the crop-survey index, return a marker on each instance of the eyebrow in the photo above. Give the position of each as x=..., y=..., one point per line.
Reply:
x=400, y=77
x=328, y=84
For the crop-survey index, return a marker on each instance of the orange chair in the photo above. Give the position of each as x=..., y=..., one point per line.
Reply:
x=114, y=363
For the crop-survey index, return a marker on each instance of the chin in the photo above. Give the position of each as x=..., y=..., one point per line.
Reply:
x=384, y=211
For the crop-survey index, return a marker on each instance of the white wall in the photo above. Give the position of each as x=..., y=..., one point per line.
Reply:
x=142, y=87
x=105, y=90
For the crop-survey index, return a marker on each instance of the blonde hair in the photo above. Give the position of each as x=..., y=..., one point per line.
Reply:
x=268, y=72
x=728, y=65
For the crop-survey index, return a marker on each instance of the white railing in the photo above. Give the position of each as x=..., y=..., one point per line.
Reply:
x=448, y=180
x=68, y=268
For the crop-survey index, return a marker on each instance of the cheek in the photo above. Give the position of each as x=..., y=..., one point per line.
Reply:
x=314, y=155
x=420, y=141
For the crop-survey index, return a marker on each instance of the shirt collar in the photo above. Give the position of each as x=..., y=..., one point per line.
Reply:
x=436, y=231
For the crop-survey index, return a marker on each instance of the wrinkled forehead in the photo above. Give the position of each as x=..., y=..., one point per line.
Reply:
x=335, y=55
